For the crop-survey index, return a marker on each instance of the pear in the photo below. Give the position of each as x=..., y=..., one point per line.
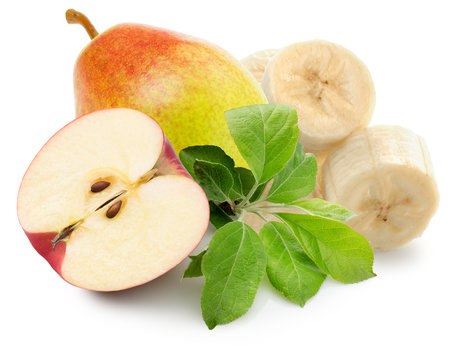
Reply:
x=185, y=84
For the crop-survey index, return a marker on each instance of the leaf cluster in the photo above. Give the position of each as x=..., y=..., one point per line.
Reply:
x=307, y=243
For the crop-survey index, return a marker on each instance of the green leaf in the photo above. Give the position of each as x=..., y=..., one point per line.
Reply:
x=209, y=153
x=248, y=181
x=233, y=266
x=212, y=154
x=265, y=136
x=325, y=209
x=217, y=216
x=215, y=179
x=296, y=180
x=333, y=246
x=195, y=267
x=289, y=269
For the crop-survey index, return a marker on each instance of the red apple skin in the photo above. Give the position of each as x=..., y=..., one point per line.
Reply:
x=169, y=163
x=42, y=244
x=184, y=83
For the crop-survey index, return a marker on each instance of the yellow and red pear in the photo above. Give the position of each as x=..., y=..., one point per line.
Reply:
x=184, y=83
x=108, y=204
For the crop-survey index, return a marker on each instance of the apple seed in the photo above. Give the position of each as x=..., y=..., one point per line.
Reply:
x=113, y=209
x=99, y=186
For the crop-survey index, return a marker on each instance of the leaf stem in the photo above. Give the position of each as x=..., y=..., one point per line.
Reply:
x=249, y=195
x=258, y=201
x=257, y=209
x=279, y=206
x=287, y=206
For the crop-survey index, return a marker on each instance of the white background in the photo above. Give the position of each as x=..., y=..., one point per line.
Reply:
x=407, y=311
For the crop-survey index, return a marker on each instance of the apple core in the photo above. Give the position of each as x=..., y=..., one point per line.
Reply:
x=111, y=190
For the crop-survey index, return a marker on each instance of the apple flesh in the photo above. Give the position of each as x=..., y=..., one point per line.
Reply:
x=108, y=203
x=183, y=82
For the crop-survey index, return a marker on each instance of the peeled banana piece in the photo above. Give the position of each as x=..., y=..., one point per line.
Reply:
x=385, y=175
x=256, y=63
x=331, y=89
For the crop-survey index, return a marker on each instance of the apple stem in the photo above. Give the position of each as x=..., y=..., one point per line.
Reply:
x=65, y=233
x=147, y=176
x=75, y=17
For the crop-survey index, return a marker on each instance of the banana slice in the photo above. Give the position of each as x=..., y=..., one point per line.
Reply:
x=257, y=62
x=330, y=88
x=320, y=158
x=384, y=174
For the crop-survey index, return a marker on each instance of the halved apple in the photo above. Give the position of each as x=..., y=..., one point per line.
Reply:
x=108, y=203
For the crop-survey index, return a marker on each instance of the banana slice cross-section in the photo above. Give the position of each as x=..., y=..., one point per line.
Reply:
x=331, y=89
x=384, y=174
x=256, y=63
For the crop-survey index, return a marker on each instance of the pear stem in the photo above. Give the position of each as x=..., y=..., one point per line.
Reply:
x=75, y=17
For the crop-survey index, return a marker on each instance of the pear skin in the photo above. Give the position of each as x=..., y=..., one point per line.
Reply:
x=184, y=83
